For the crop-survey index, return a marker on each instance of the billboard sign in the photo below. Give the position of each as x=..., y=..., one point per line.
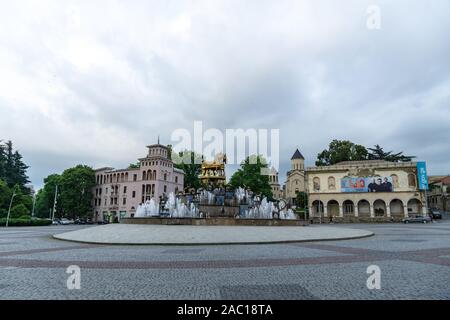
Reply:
x=422, y=175
x=367, y=184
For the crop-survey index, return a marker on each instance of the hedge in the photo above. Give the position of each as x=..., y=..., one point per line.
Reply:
x=25, y=222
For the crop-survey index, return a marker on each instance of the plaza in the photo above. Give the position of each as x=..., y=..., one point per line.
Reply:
x=414, y=261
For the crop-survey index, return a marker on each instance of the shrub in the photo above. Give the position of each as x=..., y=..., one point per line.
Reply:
x=25, y=222
x=19, y=211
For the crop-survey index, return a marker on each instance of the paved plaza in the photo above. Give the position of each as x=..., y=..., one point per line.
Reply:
x=194, y=235
x=414, y=261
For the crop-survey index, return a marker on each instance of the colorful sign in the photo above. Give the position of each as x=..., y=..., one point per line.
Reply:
x=367, y=184
x=422, y=175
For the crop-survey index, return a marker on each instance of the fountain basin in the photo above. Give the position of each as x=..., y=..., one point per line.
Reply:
x=213, y=221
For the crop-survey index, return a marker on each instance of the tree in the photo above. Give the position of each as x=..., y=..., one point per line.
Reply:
x=301, y=200
x=249, y=176
x=341, y=150
x=134, y=166
x=45, y=196
x=76, y=196
x=377, y=153
x=190, y=163
x=19, y=210
x=12, y=168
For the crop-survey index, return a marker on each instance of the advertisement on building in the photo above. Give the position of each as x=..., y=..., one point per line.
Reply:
x=367, y=184
x=422, y=175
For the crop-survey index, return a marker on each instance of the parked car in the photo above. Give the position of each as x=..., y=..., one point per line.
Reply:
x=56, y=221
x=435, y=214
x=417, y=219
x=65, y=221
x=80, y=221
x=103, y=222
x=89, y=221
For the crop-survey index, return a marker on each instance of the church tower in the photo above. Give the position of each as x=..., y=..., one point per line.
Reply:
x=297, y=161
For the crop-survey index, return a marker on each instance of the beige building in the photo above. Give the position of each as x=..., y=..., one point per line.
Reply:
x=365, y=191
x=277, y=191
x=295, y=180
x=439, y=193
x=118, y=193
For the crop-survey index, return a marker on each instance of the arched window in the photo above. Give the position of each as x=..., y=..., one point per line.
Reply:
x=316, y=183
x=144, y=176
x=331, y=183
x=411, y=180
x=395, y=181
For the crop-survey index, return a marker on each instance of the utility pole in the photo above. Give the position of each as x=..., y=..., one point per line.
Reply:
x=54, y=203
x=34, y=204
x=10, y=204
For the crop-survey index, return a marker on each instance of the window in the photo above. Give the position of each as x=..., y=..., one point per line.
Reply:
x=176, y=179
x=165, y=188
x=411, y=180
x=124, y=202
x=125, y=189
x=316, y=183
x=331, y=183
x=133, y=194
x=135, y=177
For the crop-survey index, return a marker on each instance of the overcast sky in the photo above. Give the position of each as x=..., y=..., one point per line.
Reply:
x=94, y=82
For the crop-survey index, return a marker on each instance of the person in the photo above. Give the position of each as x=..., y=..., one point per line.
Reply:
x=387, y=186
x=372, y=186
x=379, y=185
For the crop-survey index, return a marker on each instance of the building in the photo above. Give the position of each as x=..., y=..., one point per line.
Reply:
x=277, y=192
x=295, y=178
x=439, y=193
x=370, y=190
x=118, y=193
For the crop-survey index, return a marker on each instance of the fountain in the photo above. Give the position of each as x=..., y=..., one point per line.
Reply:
x=217, y=207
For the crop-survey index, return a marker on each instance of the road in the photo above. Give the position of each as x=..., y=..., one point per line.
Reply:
x=414, y=261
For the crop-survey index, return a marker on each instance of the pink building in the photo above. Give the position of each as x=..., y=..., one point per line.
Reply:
x=118, y=193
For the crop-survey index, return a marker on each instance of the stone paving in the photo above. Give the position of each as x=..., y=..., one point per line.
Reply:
x=414, y=262
x=182, y=234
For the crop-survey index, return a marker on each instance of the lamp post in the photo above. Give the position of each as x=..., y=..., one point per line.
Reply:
x=10, y=204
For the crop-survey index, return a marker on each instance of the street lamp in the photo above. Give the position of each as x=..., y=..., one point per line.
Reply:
x=10, y=204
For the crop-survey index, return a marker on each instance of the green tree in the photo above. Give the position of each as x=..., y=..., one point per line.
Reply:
x=12, y=168
x=19, y=210
x=301, y=200
x=45, y=196
x=190, y=163
x=75, y=191
x=341, y=150
x=134, y=166
x=249, y=176
x=377, y=153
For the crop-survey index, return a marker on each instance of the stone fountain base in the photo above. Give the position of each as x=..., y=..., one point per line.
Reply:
x=213, y=221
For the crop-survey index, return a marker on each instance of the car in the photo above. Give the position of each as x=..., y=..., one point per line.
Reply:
x=89, y=221
x=102, y=221
x=417, y=219
x=435, y=214
x=65, y=221
x=56, y=222
x=80, y=221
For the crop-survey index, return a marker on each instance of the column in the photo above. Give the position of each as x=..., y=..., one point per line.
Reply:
x=355, y=208
x=388, y=211
x=325, y=211
x=372, y=211
x=341, y=211
x=405, y=211
x=311, y=212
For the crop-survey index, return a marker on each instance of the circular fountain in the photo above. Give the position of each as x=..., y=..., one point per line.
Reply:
x=216, y=207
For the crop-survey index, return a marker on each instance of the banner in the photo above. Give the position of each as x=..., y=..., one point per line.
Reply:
x=367, y=184
x=422, y=176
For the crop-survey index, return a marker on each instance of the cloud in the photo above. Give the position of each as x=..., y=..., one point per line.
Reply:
x=94, y=82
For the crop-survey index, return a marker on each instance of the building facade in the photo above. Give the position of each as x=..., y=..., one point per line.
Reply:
x=365, y=191
x=277, y=191
x=118, y=193
x=295, y=178
x=439, y=193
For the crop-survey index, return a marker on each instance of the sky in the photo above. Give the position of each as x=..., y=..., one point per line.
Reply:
x=94, y=82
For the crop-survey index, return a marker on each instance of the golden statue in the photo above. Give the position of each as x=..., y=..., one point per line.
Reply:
x=213, y=172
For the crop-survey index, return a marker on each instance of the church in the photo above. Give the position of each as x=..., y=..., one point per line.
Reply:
x=295, y=178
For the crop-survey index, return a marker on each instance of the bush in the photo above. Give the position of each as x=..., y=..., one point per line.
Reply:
x=25, y=222
x=19, y=211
